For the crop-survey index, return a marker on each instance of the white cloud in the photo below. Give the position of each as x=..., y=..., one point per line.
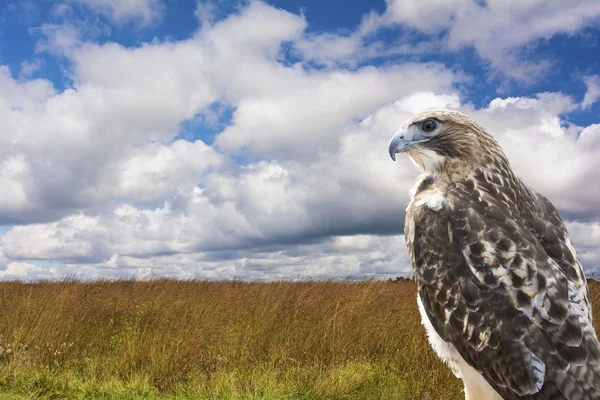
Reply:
x=29, y=68
x=423, y=100
x=27, y=272
x=427, y=16
x=64, y=38
x=330, y=48
x=306, y=118
x=156, y=172
x=108, y=137
x=592, y=93
x=585, y=234
x=107, y=187
x=69, y=26
x=497, y=29
x=205, y=12
x=262, y=204
x=356, y=256
x=247, y=221
x=144, y=12
x=349, y=49
x=63, y=151
x=17, y=270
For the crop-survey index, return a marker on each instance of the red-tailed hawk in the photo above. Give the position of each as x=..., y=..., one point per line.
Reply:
x=502, y=293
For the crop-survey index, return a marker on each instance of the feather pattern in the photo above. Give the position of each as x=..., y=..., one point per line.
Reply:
x=499, y=279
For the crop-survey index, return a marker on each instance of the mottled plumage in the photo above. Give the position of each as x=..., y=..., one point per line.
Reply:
x=501, y=289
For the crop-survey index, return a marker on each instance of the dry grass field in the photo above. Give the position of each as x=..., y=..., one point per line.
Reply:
x=217, y=340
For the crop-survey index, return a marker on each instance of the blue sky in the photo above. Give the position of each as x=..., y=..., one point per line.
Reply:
x=244, y=139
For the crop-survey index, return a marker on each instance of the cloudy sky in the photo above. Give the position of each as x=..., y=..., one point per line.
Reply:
x=248, y=139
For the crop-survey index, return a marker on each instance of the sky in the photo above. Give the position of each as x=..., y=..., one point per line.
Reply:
x=248, y=139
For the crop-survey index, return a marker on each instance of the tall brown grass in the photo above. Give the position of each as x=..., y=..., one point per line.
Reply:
x=196, y=339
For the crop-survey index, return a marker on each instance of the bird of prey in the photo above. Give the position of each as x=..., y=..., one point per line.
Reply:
x=501, y=291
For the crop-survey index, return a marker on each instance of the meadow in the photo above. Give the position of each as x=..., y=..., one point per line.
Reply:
x=168, y=339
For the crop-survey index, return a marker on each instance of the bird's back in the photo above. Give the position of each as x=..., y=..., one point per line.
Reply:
x=582, y=377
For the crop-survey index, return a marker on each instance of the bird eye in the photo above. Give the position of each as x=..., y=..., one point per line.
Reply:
x=429, y=125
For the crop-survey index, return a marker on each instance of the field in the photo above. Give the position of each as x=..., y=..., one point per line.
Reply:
x=217, y=340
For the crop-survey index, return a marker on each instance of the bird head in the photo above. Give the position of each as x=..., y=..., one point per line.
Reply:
x=443, y=140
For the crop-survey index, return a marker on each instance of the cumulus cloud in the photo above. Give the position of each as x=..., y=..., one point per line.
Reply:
x=143, y=12
x=156, y=171
x=83, y=148
x=29, y=68
x=349, y=257
x=586, y=235
x=430, y=16
x=496, y=29
x=307, y=119
x=592, y=93
x=298, y=183
x=243, y=218
x=23, y=271
x=501, y=32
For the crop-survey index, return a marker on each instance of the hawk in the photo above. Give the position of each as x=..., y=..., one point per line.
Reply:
x=501, y=291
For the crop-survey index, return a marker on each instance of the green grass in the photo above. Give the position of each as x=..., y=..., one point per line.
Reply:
x=350, y=380
x=171, y=339
x=8, y=396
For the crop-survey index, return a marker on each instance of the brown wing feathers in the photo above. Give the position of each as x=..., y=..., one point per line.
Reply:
x=491, y=287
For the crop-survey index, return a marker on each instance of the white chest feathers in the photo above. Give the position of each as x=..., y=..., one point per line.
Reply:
x=476, y=387
x=425, y=194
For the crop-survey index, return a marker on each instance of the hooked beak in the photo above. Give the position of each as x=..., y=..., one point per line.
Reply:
x=403, y=140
